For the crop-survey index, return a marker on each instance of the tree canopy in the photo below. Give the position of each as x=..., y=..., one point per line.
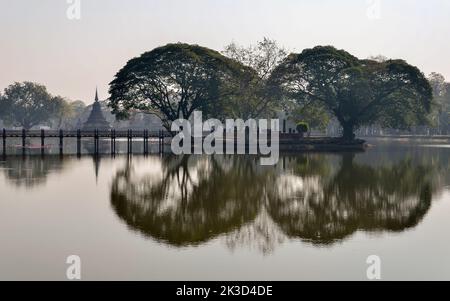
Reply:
x=28, y=104
x=173, y=81
x=253, y=99
x=68, y=113
x=441, y=95
x=357, y=92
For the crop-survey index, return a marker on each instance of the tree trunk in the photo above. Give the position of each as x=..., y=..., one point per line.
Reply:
x=348, y=129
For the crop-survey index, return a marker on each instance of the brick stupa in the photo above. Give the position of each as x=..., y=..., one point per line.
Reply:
x=96, y=120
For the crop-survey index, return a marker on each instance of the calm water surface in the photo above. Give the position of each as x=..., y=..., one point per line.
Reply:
x=311, y=217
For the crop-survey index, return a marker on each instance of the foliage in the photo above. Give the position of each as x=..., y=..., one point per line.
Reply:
x=28, y=104
x=68, y=114
x=441, y=102
x=378, y=58
x=263, y=57
x=173, y=81
x=302, y=127
x=253, y=99
x=77, y=107
x=357, y=92
x=314, y=114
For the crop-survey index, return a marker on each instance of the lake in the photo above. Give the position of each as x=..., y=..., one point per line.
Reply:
x=313, y=216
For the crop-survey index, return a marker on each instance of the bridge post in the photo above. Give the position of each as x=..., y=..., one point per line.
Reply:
x=4, y=142
x=78, y=142
x=23, y=141
x=61, y=143
x=42, y=142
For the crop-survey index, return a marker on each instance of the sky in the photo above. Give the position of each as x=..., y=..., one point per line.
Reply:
x=44, y=41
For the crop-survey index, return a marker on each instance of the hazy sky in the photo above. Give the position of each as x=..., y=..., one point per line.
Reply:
x=39, y=43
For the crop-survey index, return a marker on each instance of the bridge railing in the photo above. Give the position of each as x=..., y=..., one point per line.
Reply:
x=85, y=133
x=79, y=135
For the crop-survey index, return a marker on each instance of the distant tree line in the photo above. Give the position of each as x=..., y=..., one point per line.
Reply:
x=29, y=105
x=438, y=120
x=26, y=105
x=440, y=113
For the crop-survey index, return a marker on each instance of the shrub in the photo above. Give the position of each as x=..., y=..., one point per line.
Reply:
x=302, y=127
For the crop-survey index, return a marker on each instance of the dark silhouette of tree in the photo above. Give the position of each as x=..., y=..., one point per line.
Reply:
x=173, y=81
x=329, y=208
x=28, y=104
x=321, y=200
x=194, y=200
x=357, y=92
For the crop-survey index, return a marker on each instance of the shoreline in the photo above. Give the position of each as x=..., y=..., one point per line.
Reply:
x=322, y=144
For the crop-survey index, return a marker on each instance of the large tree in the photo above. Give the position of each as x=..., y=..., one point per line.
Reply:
x=357, y=92
x=173, y=81
x=253, y=99
x=28, y=104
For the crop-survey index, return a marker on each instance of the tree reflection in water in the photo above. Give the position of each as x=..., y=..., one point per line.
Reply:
x=320, y=199
x=31, y=171
x=188, y=200
x=325, y=208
